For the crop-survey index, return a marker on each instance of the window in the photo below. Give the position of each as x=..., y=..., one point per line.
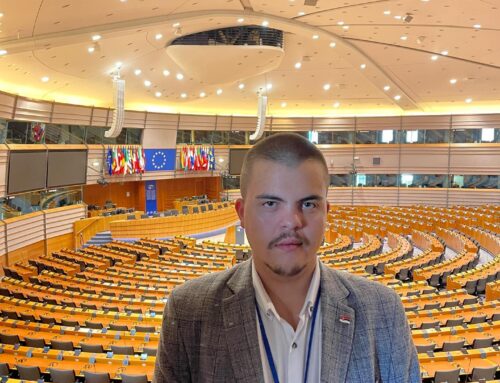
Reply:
x=312, y=136
x=361, y=180
x=387, y=136
x=487, y=134
x=238, y=137
x=406, y=179
x=184, y=137
x=411, y=136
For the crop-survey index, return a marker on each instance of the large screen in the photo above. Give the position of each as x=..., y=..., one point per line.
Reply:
x=67, y=167
x=27, y=171
x=236, y=157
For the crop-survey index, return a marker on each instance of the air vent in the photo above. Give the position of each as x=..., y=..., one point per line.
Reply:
x=311, y=2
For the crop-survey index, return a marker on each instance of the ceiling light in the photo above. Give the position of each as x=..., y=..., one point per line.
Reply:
x=3, y=52
x=404, y=37
x=176, y=25
x=123, y=1
x=333, y=44
x=327, y=87
x=184, y=95
x=202, y=94
x=147, y=83
x=96, y=37
x=158, y=94
x=166, y=72
x=91, y=49
x=265, y=23
x=301, y=13
x=137, y=72
x=45, y=79
x=269, y=86
x=340, y=23
x=1, y=14
x=298, y=65
x=468, y=100
x=219, y=92
x=398, y=17
x=387, y=88
x=477, y=26
x=387, y=12
x=397, y=97
x=283, y=104
x=444, y=53
x=118, y=64
x=240, y=20
x=345, y=27
x=315, y=37
x=336, y=104
x=453, y=81
x=241, y=86
x=363, y=66
x=434, y=57
x=158, y=36
x=179, y=76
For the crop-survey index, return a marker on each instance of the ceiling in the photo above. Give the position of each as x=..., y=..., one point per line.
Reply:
x=356, y=56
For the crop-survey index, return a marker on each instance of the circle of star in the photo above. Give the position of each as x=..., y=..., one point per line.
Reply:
x=156, y=165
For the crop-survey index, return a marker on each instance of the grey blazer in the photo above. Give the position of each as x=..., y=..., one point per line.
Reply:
x=209, y=331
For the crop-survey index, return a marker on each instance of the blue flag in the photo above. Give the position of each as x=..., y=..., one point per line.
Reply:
x=160, y=159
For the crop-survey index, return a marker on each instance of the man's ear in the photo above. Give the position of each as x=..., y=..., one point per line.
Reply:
x=240, y=210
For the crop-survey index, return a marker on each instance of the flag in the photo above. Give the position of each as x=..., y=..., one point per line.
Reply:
x=160, y=159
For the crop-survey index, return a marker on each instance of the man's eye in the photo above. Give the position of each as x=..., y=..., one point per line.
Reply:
x=270, y=203
x=309, y=205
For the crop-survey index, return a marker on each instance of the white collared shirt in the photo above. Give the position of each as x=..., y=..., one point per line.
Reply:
x=289, y=347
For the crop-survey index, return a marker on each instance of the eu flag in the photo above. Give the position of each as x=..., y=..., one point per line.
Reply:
x=159, y=159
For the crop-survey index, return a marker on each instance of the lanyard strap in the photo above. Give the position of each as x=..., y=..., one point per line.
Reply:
x=267, y=346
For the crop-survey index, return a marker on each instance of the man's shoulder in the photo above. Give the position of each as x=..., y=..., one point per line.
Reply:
x=362, y=289
x=205, y=291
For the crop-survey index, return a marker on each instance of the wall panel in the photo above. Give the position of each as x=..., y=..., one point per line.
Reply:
x=123, y=194
x=424, y=159
x=7, y=102
x=60, y=221
x=71, y=114
x=65, y=241
x=475, y=159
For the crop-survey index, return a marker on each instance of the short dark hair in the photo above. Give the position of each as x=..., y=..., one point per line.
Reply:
x=285, y=148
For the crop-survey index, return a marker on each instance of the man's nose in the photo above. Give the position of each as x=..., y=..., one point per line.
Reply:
x=292, y=218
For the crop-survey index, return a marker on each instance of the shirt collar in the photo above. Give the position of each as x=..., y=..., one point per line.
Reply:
x=267, y=305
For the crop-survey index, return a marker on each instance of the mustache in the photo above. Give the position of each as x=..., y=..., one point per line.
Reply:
x=287, y=235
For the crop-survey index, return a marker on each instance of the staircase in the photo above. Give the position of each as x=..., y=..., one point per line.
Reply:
x=99, y=239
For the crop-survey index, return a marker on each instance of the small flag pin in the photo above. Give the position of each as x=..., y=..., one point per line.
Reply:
x=345, y=319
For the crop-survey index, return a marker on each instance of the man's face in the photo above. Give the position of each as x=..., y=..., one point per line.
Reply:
x=284, y=215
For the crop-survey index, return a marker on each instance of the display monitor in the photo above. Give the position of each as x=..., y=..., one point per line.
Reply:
x=27, y=171
x=67, y=167
x=236, y=157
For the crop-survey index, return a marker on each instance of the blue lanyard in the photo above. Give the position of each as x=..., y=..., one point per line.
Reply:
x=267, y=347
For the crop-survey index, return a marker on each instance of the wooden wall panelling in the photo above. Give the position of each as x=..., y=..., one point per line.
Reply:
x=3, y=246
x=23, y=231
x=96, y=160
x=71, y=114
x=34, y=249
x=213, y=187
x=378, y=123
x=32, y=110
x=123, y=194
x=388, y=154
x=376, y=196
x=424, y=158
x=101, y=117
x=4, y=169
x=65, y=241
x=475, y=159
x=60, y=221
x=7, y=102
x=339, y=158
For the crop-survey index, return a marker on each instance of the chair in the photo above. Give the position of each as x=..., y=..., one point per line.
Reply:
x=454, y=322
x=47, y=320
x=480, y=374
x=127, y=296
x=27, y=317
x=69, y=323
x=134, y=378
x=10, y=314
x=425, y=348
x=469, y=301
x=34, y=342
x=447, y=376
x=478, y=319
x=89, y=291
x=96, y=377
x=470, y=286
x=453, y=346
x=65, y=345
x=452, y=303
x=62, y=376
x=28, y=372
x=50, y=301
x=94, y=325
x=482, y=342
x=133, y=310
x=145, y=328
x=427, y=325
x=481, y=286
x=88, y=306
x=495, y=317
x=149, y=351
x=110, y=308
x=118, y=327
x=88, y=347
x=9, y=339
x=122, y=350
x=431, y=306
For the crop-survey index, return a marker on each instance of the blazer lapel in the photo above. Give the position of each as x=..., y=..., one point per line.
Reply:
x=240, y=327
x=338, y=329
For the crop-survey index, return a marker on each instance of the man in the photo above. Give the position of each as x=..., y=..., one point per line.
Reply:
x=283, y=316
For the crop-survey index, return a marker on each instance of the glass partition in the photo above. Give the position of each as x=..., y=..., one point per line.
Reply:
x=425, y=136
x=26, y=203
